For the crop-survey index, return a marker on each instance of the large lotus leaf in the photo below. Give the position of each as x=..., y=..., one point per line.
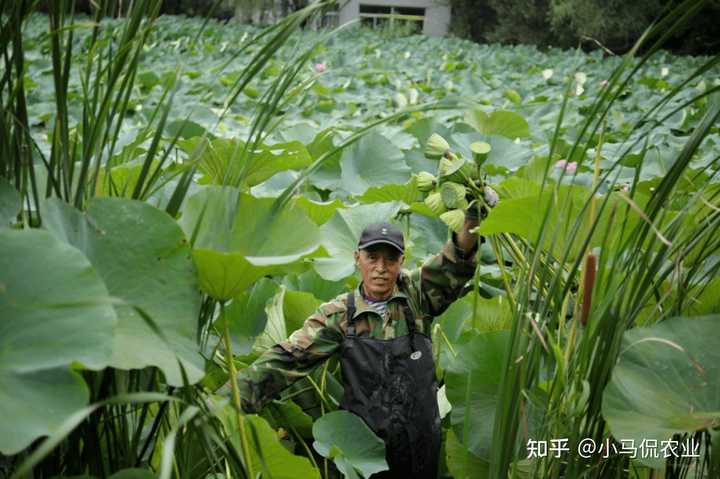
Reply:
x=424, y=128
x=275, y=330
x=461, y=463
x=346, y=439
x=297, y=307
x=407, y=193
x=223, y=159
x=341, y=235
x=271, y=458
x=291, y=415
x=285, y=312
x=372, y=161
x=246, y=315
x=666, y=381
x=54, y=311
x=54, y=306
x=427, y=237
x=472, y=382
x=504, y=123
x=268, y=456
x=35, y=404
x=239, y=239
x=226, y=275
x=9, y=202
x=318, y=211
x=524, y=217
x=144, y=259
x=311, y=282
x=327, y=176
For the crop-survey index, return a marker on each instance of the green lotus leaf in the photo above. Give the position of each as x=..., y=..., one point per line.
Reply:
x=34, y=404
x=372, y=161
x=144, y=259
x=348, y=441
x=268, y=456
x=319, y=212
x=55, y=311
x=55, y=307
x=272, y=458
x=311, y=282
x=341, y=234
x=472, y=385
x=504, y=123
x=247, y=315
x=297, y=307
x=407, y=193
x=239, y=239
x=524, y=216
x=462, y=463
x=677, y=364
x=225, y=160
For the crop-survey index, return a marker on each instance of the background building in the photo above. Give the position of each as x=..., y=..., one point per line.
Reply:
x=431, y=17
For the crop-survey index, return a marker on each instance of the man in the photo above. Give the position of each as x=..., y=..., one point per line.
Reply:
x=382, y=333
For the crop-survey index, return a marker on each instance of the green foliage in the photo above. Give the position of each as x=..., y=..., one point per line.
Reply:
x=143, y=257
x=349, y=442
x=64, y=317
x=675, y=363
x=202, y=187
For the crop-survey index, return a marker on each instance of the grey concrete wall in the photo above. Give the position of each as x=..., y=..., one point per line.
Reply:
x=437, y=12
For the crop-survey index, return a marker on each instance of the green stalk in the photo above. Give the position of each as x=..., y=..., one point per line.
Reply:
x=239, y=416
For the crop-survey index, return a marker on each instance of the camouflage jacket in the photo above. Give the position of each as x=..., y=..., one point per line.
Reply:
x=429, y=290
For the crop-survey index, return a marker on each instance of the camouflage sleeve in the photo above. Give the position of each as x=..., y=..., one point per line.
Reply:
x=442, y=278
x=293, y=359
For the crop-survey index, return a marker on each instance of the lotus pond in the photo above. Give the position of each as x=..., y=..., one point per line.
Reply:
x=177, y=196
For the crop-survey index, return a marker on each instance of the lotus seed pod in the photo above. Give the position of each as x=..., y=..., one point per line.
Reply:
x=467, y=170
x=425, y=181
x=436, y=146
x=449, y=165
x=454, y=219
x=480, y=150
x=453, y=194
x=435, y=203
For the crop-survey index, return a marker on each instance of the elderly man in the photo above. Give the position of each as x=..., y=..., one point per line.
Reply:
x=382, y=332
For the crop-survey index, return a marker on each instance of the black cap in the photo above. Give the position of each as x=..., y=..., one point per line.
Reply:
x=379, y=233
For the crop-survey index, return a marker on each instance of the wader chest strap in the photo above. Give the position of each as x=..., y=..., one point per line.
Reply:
x=350, y=314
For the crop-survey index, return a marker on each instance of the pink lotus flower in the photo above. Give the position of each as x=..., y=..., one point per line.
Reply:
x=320, y=67
x=564, y=165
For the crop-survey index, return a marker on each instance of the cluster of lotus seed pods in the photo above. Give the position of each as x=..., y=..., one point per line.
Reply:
x=457, y=182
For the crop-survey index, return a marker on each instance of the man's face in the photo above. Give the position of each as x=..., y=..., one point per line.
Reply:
x=380, y=267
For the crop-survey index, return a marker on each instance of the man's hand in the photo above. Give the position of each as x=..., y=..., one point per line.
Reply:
x=480, y=209
x=466, y=240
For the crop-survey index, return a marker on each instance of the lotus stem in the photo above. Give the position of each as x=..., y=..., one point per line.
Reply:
x=236, y=393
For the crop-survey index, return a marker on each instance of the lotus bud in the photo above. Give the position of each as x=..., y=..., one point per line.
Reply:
x=453, y=194
x=455, y=219
x=425, y=181
x=436, y=146
x=435, y=203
